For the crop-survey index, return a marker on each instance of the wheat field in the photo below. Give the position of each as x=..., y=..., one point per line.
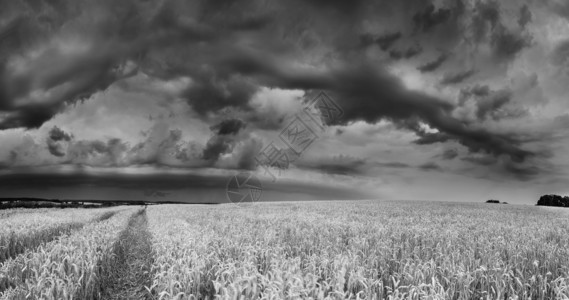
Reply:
x=361, y=250
x=302, y=250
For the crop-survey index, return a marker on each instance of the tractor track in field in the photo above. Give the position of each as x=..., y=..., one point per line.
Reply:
x=131, y=270
x=40, y=238
x=12, y=246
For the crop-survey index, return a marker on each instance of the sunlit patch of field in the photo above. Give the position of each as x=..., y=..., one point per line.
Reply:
x=360, y=250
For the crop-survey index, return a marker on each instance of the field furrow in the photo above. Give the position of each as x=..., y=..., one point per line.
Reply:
x=19, y=233
x=132, y=259
x=67, y=268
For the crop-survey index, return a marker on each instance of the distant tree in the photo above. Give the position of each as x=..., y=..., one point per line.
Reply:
x=492, y=201
x=504, y=202
x=553, y=200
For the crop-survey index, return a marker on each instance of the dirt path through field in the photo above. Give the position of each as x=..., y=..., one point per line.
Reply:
x=134, y=257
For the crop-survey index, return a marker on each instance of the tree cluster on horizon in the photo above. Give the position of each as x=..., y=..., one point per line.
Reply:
x=553, y=200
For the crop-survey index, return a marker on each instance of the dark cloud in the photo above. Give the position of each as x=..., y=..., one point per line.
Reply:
x=485, y=18
x=162, y=147
x=386, y=41
x=42, y=82
x=339, y=5
x=346, y=165
x=406, y=54
x=169, y=39
x=229, y=126
x=223, y=141
x=490, y=104
x=370, y=94
x=10, y=27
x=56, y=134
x=202, y=40
x=560, y=8
x=342, y=164
x=155, y=193
x=245, y=16
x=526, y=171
x=141, y=182
x=488, y=26
x=507, y=43
x=98, y=153
x=523, y=172
x=398, y=165
x=28, y=117
x=487, y=102
x=560, y=53
x=449, y=154
x=55, y=149
x=246, y=156
x=189, y=188
x=82, y=55
x=430, y=166
x=456, y=78
x=431, y=17
x=477, y=90
x=230, y=49
x=525, y=16
x=483, y=160
x=210, y=94
x=433, y=65
x=427, y=138
x=215, y=147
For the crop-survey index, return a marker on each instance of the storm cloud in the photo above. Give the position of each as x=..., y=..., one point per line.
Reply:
x=443, y=72
x=433, y=65
x=223, y=140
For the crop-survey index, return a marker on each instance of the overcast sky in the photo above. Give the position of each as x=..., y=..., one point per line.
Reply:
x=456, y=100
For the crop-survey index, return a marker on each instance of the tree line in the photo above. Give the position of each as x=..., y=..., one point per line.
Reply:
x=553, y=200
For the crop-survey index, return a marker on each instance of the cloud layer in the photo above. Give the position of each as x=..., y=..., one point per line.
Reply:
x=207, y=84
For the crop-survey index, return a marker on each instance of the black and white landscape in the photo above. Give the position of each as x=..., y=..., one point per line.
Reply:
x=262, y=105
